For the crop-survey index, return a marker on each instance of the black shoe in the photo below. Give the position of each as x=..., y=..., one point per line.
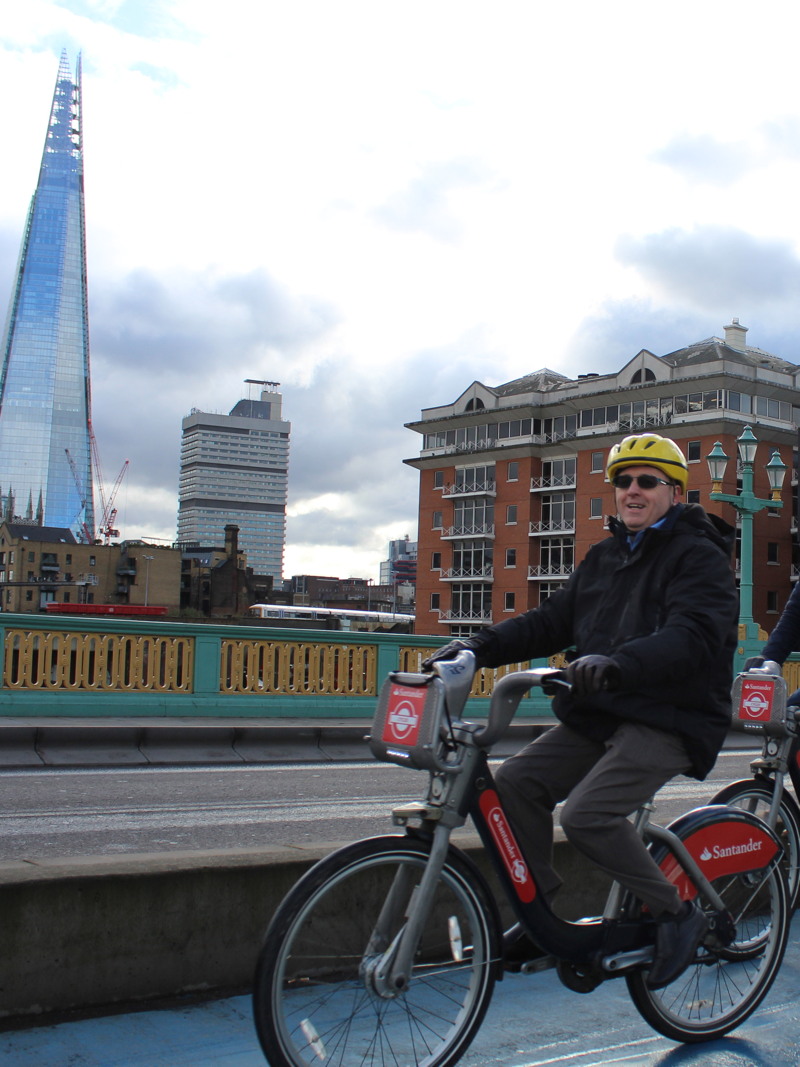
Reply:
x=677, y=938
x=518, y=948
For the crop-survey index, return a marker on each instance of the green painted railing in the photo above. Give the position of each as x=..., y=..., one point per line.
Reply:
x=74, y=667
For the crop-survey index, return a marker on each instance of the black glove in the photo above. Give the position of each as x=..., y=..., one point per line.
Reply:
x=592, y=674
x=449, y=651
x=754, y=662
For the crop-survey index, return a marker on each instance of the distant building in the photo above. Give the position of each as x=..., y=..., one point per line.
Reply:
x=216, y=581
x=45, y=448
x=44, y=564
x=400, y=569
x=512, y=477
x=235, y=470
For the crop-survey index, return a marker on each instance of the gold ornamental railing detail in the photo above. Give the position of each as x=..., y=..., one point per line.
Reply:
x=298, y=667
x=121, y=662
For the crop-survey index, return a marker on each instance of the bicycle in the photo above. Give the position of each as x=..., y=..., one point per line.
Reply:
x=760, y=703
x=388, y=950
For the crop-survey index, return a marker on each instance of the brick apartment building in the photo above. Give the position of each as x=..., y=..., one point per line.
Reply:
x=512, y=478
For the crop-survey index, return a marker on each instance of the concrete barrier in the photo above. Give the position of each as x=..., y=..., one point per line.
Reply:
x=59, y=742
x=98, y=934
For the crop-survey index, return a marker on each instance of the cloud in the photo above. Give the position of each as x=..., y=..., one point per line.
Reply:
x=703, y=158
x=714, y=267
x=426, y=203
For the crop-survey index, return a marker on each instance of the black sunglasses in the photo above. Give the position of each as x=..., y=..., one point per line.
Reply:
x=644, y=481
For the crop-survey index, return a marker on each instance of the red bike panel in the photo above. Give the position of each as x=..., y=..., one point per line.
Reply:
x=507, y=846
x=721, y=848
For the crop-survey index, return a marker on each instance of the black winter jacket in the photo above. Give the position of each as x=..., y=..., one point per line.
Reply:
x=666, y=612
x=785, y=638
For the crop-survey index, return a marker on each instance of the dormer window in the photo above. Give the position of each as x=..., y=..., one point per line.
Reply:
x=644, y=374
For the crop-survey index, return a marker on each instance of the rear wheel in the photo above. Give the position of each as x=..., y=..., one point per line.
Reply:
x=756, y=796
x=314, y=998
x=725, y=984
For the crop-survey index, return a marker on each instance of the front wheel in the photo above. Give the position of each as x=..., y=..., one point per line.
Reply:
x=315, y=1000
x=724, y=985
x=756, y=796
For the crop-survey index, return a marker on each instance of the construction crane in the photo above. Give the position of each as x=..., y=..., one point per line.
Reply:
x=108, y=513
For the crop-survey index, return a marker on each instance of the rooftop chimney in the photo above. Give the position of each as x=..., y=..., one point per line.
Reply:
x=735, y=336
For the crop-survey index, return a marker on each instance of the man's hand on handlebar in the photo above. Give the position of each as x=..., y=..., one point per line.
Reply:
x=593, y=674
x=449, y=651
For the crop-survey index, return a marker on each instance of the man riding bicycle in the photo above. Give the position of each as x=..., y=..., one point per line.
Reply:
x=650, y=616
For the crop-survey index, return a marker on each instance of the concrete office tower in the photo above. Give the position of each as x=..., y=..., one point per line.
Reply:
x=235, y=469
x=45, y=448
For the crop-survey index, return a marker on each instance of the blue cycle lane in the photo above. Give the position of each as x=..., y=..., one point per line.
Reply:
x=533, y=1021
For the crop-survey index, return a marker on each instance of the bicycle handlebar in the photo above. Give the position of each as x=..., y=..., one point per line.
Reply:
x=507, y=693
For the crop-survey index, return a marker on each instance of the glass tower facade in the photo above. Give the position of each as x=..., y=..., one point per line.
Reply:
x=235, y=470
x=45, y=399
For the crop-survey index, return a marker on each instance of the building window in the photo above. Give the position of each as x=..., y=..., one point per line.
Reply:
x=596, y=507
x=436, y=520
x=92, y=561
x=511, y=557
x=69, y=557
x=598, y=464
x=772, y=551
x=692, y=496
x=510, y=599
x=438, y=479
x=693, y=452
x=557, y=555
x=31, y=557
x=511, y=515
x=513, y=471
x=772, y=602
x=29, y=594
x=435, y=599
x=436, y=561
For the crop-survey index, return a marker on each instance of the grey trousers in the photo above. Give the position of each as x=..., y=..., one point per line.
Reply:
x=603, y=783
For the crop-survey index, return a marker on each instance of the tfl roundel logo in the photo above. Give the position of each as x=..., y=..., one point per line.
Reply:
x=756, y=700
x=403, y=715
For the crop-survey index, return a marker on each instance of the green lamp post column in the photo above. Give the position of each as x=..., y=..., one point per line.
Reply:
x=747, y=505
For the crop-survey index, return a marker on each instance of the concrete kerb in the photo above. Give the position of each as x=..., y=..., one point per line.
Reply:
x=100, y=934
x=108, y=742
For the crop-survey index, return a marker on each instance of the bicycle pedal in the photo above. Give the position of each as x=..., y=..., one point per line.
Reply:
x=531, y=966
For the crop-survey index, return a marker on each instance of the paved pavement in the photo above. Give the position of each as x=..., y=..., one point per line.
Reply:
x=532, y=1022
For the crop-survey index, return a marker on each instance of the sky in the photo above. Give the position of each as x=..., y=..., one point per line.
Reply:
x=376, y=204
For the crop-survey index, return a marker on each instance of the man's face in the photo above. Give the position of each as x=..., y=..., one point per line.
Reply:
x=639, y=508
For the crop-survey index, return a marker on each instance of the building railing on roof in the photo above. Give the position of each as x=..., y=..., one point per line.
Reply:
x=537, y=529
x=485, y=488
x=456, y=574
x=469, y=529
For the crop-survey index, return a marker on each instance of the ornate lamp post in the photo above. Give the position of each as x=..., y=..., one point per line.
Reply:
x=747, y=505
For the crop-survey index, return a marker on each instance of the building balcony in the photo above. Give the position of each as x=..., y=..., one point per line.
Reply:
x=486, y=488
x=484, y=617
x=564, y=481
x=450, y=533
x=557, y=526
x=553, y=570
x=468, y=574
x=86, y=579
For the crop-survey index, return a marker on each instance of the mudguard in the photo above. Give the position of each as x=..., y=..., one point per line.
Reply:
x=722, y=841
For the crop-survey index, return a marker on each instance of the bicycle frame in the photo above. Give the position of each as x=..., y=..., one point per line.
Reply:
x=700, y=846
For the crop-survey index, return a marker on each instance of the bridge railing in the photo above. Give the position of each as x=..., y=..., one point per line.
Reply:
x=121, y=668
x=78, y=667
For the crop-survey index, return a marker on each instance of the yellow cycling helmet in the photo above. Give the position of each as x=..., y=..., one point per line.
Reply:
x=649, y=450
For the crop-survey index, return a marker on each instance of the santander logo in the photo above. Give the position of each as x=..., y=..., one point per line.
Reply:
x=507, y=846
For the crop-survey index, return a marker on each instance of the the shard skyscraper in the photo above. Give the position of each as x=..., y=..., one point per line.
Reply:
x=45, y=392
